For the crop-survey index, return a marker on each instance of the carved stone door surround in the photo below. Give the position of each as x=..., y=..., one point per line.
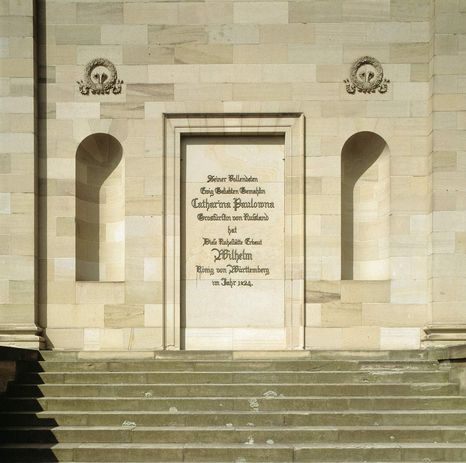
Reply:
x=292, y=127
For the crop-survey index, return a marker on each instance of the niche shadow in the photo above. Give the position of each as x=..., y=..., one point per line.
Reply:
x=359, y=153
x=97, y=156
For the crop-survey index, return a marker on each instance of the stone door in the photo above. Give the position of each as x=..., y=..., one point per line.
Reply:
x=233, y=231
x=233, y=242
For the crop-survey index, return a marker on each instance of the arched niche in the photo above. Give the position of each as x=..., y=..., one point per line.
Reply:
x=100, y=209
x=365, y=208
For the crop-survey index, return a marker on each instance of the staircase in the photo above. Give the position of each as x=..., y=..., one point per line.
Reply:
x=233, y=407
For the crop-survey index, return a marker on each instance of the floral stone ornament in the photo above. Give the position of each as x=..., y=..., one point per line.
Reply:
x=366, y=76
x=100, y=78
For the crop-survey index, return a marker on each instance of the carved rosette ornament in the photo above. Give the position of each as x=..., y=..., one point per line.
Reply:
x=366, y=76
x=100, y=78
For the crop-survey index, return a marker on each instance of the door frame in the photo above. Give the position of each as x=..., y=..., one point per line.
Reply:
x=292, y=127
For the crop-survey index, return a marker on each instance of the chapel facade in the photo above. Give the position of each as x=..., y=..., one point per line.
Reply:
x=239, y=175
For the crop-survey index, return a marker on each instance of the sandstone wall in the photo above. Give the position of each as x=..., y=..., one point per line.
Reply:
x=18, y=175
x=449, y=174
x=240, y=57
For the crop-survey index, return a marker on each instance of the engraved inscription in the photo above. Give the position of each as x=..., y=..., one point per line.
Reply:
x=233, y=256
x=233, y=233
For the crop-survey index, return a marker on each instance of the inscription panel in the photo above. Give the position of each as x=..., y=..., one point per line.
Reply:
x=232, y=262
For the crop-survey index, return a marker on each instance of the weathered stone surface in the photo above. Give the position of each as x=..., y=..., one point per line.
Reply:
x=136, y=406
x=240, y=58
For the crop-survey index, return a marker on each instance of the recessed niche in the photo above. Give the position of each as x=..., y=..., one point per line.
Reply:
x=365, y=208
x=100, y=209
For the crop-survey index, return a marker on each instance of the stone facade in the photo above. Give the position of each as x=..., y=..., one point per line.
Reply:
x=385, y=269
x=18, y=176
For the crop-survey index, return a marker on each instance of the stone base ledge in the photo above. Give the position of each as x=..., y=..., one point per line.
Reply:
x=444, y=335
x=22, y=336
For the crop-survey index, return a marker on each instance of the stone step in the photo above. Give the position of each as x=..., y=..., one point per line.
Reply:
x=230, y=390
x=400, y=355
x=381, y=452
x=233, y=403
x=225, y=355
x=317, y=452
x=237, y=418
x=225, y=377
x=234, y=435
x=234, y=365
x=233, y=406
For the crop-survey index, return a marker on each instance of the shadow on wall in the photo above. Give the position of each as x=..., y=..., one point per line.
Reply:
x=100, y=209
x=26, y=434
x=365, y=208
